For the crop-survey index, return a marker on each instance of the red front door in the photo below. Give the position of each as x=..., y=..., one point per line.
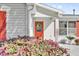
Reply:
x=39, y=29
x=2, y=25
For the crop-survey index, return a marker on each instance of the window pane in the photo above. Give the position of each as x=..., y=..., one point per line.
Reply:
x=71, y=31
x=62, y=24
x=71, y=24
x=62, y=31
x=39, y=26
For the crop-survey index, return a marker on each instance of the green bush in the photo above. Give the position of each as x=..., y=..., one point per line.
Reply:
x=70, y=37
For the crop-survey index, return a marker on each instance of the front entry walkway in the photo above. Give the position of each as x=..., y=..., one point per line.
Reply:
x=74, y=49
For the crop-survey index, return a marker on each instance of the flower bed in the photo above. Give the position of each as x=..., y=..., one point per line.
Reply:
x=34, y=47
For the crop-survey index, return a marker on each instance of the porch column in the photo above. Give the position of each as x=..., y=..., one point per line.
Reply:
x=31, y=34
x=56, y=29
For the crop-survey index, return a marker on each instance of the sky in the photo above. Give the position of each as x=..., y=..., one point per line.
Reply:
x=66, y=7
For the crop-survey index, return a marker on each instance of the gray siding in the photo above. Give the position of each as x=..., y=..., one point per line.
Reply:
x=16, y=22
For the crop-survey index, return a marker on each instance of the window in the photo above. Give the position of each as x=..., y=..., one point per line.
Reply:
x=72, y=27
x=71, y=24
x=67, y=27
x=63, y=24
x=62, y=31
x=39, y=26
x=62, y=27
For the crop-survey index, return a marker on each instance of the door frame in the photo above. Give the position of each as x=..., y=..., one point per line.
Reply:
x=43, y=26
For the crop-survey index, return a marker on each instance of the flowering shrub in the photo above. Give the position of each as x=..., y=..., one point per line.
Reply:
x=52, y=43
x=32, y=48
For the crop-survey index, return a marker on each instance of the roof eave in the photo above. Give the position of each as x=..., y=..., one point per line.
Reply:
x=52, y=9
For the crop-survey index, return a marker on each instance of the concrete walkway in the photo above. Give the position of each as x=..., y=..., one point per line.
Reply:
x=74, y=49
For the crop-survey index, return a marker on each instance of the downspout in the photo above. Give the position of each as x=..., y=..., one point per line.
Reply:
x=28, y=18
x=31, y=8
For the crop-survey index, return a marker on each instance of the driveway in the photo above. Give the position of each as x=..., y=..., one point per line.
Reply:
x=74, y=49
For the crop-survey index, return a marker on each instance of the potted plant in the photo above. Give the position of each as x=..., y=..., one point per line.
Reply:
x=77, y=41
x=70, y=38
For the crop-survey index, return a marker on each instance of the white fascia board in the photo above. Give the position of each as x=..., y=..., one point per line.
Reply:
x=52, y=9
x=37, y=14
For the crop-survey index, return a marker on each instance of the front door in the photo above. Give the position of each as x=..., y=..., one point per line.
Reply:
x=2, y=25
x=39, y=29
